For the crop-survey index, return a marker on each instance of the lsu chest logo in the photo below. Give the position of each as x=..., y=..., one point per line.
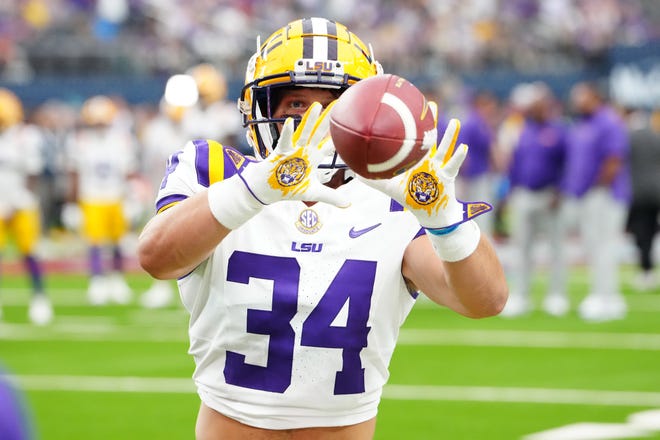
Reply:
x=306, y=247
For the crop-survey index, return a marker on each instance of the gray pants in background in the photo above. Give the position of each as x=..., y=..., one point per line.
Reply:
x=535, y=218
x=599, y=219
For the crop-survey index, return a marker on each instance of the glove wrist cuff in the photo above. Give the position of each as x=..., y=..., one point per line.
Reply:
x=231, y=203
x=442, y=231
x=457, y=244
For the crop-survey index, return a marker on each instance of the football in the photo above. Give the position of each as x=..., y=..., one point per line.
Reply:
x=381, y=126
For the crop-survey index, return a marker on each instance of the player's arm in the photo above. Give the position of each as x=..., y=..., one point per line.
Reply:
x=474, y=286
x=176, y=240
x=179, y=238
x=453, y=264
x=609, y=170
x=615, y=140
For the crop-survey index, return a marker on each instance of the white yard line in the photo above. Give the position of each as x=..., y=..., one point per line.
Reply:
x=104, y=384
x=532, y=339
x=392, y=392
x=103, y=329
x=523, y=395
x=60, y=297
x=73, y=297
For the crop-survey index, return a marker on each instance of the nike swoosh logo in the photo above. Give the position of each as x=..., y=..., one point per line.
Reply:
x=353, y=233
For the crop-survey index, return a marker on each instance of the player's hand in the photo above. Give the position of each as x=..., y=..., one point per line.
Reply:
x=428, y=188
x=289, y=172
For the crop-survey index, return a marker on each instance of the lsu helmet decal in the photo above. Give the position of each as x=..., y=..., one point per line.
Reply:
x=310, y=52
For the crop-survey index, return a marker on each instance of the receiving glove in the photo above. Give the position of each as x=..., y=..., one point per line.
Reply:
x=288, y=173
x=428, y=191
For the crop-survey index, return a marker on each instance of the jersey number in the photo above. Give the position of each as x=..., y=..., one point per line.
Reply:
x=353, y=284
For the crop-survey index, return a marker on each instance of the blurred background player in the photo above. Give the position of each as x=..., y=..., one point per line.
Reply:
x=596, y=186
x=477, y=180
x=55, y=119
x=534, y=175
x=161, y=137
x=20, y=164
x=213, y=116
x=507, y=134
x=644, y=131
x=102, y=158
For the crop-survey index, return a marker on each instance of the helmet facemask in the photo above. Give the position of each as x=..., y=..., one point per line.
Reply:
x=312, y=52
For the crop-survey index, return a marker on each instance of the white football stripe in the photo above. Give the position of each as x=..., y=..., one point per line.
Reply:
x=320, y=26
x=410, y=130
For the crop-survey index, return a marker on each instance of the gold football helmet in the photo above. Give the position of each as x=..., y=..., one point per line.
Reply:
x=310, y=52
x=174, y=112
x=11, y=109
x=211, y=84
x=98, y=110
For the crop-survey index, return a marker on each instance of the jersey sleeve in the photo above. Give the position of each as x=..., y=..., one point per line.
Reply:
x=198, y=165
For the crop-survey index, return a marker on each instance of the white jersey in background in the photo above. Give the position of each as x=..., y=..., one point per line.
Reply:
x=103, y=158
x=161, y=137
x=303, y=303
x=20, y=158
x=218, y=121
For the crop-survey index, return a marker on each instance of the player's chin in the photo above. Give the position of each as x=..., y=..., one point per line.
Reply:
x=337, y=179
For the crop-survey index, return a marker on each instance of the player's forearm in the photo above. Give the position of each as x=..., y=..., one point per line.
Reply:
x=473, y=286
x=478, y=282
x=175, y=241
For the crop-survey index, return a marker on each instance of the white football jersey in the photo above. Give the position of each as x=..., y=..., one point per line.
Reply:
x=294, y=317
x=103, y=159
x=20, y=157
x=160, y=138
x=219, y=121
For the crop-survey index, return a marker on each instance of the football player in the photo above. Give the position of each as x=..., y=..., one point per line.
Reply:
x=20, y=165
x=596, y=180
x=534, y=173
x=102, y=159
x=479, y=177
x=200, y=121
x=297, y=275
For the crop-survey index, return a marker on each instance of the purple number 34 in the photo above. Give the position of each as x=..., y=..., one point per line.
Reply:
x=353, y=284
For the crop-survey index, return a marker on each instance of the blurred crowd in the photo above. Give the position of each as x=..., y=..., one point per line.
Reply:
x=93, y=166
x=154, y=36
x=553, y=168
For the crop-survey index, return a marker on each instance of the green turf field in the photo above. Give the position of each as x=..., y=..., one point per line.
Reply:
x=122, y=372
